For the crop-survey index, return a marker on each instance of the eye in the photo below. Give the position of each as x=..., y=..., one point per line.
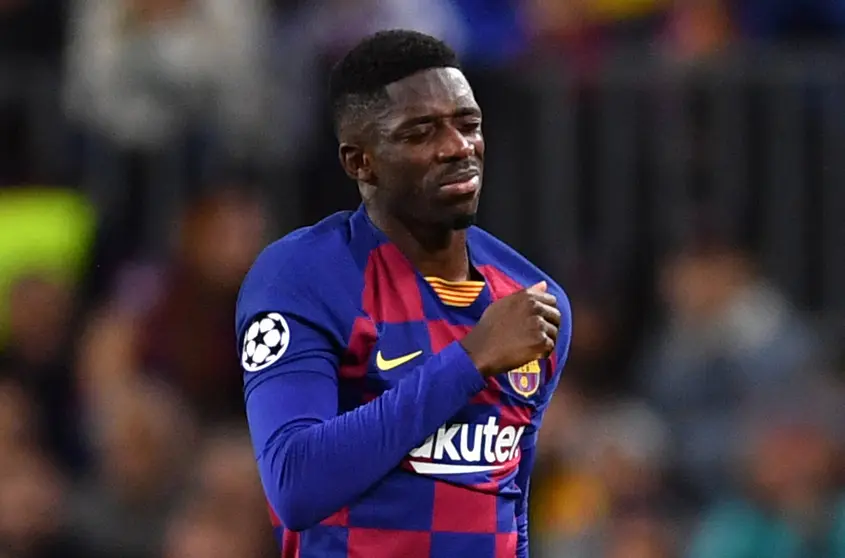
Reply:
x=471, y=125
x=417, y=133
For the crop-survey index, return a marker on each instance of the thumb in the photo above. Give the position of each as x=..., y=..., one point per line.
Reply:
x=538, y=288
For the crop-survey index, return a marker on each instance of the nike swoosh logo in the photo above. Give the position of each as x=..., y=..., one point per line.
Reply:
x=384, y=364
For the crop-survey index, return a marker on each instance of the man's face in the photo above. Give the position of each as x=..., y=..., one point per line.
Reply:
x=427, y=151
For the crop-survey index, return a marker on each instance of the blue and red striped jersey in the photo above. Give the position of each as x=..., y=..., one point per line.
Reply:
x=374, y=433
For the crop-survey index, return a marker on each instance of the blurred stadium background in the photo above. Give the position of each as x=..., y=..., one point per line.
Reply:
x=677, y=164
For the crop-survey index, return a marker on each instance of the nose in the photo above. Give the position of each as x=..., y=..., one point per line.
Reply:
x=454, y=145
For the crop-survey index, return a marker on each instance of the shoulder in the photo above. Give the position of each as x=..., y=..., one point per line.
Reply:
x=487, y=250
x=301, y=256
x=307, y=268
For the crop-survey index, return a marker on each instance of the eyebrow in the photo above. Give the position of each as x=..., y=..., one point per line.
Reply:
x=425, y=119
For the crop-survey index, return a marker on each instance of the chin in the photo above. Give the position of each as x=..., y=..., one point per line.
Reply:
x=463, y=222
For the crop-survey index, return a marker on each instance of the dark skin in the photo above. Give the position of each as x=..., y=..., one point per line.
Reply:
x=428, y=135
x=428, y=132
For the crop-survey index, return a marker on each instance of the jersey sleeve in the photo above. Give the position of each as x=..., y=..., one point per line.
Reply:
x=305, y=450
x=528, y=444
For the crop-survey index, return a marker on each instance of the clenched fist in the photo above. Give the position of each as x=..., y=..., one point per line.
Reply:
x=514, y=331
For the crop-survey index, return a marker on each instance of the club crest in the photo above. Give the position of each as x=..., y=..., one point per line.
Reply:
x=525, y=380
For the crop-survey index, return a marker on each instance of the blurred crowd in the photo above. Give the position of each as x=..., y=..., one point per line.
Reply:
x=150, y=148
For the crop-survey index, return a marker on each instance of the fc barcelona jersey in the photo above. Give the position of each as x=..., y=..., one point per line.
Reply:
x=374, y=433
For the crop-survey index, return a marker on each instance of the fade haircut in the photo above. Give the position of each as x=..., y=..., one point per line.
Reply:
x=358, y=82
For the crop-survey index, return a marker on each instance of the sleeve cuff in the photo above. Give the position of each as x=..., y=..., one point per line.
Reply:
x=458, y=363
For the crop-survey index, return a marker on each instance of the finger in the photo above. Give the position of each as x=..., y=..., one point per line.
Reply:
x=551, y=331
x=545, y=298
x=550, y=346
x=538, y=288
x=550, y=313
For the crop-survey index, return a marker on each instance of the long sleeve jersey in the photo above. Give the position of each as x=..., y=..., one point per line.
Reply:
x=374, y=433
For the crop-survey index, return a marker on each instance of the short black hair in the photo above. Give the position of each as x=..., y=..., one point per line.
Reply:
x=359, y=79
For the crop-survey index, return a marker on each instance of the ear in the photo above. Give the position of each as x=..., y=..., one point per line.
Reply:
x=356, y=163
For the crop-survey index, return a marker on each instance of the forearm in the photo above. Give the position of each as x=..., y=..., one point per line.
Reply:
x=370, y=440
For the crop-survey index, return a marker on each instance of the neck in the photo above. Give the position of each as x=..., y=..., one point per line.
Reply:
x=433, y=251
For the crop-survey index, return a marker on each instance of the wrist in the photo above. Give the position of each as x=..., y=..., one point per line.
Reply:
x=461, y=369
x=483, y=365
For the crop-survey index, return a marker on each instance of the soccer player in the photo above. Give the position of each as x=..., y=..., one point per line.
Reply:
x=397, y=359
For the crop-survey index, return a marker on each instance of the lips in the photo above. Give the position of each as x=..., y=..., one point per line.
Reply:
x=460, y=178
x=462, y=187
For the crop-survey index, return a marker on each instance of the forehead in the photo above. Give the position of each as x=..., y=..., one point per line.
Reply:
x=439, y=91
